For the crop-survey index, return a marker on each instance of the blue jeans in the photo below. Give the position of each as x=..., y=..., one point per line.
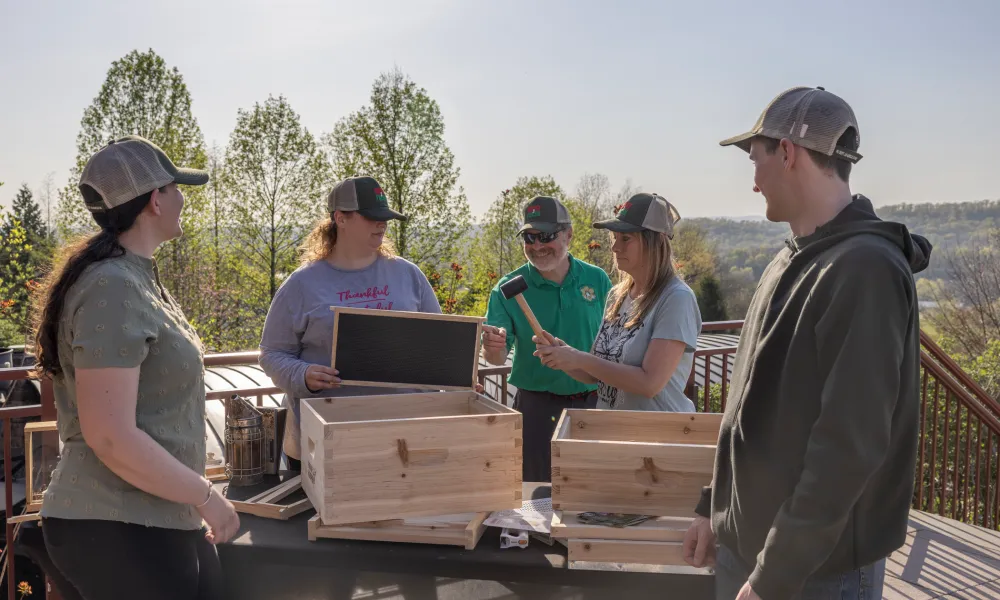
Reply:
x=860, y=584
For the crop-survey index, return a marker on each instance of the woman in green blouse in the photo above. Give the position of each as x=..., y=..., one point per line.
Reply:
x=126, y=509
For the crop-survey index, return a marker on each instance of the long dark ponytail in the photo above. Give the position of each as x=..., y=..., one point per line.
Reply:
x=70, y=263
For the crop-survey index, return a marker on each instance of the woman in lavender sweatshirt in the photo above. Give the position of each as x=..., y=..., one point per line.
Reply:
x=346, y=262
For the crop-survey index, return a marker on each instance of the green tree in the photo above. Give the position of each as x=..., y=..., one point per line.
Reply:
x=399, y=140
x=693, y=253
x=737, y=285
x=141, y=95
x=17, y=273
x=711, y=302
x=967, y=313
x=276, y=179
x=493, y=250
x=27, y=212
x=25, y=253
x=216, y=199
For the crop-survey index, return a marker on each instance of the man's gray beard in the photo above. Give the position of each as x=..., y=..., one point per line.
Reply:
x=550, y=261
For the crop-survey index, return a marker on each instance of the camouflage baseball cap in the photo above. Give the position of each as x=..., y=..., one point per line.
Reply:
x=810, y=117
x=364, y=195
x=643, y=211
x=545, y=214
x=127, y=168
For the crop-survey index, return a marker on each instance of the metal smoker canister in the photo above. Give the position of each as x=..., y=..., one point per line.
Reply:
x=244, y=442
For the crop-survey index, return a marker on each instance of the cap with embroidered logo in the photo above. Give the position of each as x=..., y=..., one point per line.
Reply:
x=643, y=211
x=810, y=117
x=545, y=214
x=364, y=195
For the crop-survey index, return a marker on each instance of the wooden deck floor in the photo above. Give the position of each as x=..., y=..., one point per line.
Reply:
x=943, y=558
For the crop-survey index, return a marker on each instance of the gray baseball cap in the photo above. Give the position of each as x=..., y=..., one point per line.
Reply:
x=545, y=214
x=364, y=195
x=129, y=167
x=643, y=211
x=810, y=117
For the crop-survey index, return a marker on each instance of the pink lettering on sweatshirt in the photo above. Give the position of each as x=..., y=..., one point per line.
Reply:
x=373, y=297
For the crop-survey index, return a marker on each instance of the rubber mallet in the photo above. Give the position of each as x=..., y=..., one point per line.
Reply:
x=513, y=289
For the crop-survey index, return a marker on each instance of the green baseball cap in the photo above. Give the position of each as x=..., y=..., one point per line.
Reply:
x=364, y=195
x=545, y=214
x=129, y=167
x=643, y=211
x=810, y=117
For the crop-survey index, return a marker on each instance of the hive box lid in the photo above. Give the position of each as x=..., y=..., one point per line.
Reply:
x=394, y=348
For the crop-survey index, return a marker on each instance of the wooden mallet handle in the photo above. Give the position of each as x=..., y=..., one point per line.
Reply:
x=535, y=326
x=513, y=289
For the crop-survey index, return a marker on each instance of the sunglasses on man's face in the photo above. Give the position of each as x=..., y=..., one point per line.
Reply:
x=544, y=238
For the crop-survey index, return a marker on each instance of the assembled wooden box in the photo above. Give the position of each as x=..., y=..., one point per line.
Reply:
x=412, y=454
x=635, y=462
x=373, y=458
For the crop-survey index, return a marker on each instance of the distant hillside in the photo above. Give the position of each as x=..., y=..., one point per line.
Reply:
x=945, y=225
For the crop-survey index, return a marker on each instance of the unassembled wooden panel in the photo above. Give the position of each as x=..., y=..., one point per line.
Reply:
x=391, y=468
x=273, y=511
x=266, y=504
x=649, y=478
x=626, y=552
x=463, y=530
x=567, y=525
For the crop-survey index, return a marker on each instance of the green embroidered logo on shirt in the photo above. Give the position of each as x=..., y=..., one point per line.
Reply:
x=588, y=293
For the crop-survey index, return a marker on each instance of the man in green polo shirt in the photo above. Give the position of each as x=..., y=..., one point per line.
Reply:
x=567, y=297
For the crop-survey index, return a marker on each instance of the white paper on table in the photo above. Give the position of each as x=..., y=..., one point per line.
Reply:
x=534, y=515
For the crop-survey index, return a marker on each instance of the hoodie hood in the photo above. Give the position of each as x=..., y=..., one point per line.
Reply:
x=859, y=218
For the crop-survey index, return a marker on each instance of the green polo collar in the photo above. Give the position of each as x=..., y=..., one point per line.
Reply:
x=535, y=276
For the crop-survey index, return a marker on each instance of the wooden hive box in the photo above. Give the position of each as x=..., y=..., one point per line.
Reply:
x=397, y=456
x=635, y=462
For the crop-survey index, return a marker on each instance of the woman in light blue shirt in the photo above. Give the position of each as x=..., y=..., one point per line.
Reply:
x=644, y=351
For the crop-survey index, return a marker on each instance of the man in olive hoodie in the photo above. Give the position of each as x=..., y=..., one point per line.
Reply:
x=814, y=470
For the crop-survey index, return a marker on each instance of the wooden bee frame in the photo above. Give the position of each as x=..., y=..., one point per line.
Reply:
x=38, y=476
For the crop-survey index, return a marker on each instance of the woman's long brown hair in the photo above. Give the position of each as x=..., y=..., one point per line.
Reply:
x=657, y=251
x=71, y=261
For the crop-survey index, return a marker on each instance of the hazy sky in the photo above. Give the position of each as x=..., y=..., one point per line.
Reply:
x=635, y=90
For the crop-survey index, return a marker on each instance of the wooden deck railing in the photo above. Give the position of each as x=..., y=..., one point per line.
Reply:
x=958, y=467
x=958, y=472
x=958, y=463
x=44, y=411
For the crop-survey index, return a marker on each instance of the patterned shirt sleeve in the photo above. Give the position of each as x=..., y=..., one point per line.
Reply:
x=111, y=325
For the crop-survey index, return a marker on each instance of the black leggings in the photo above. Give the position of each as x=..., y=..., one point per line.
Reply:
x=107, y=560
